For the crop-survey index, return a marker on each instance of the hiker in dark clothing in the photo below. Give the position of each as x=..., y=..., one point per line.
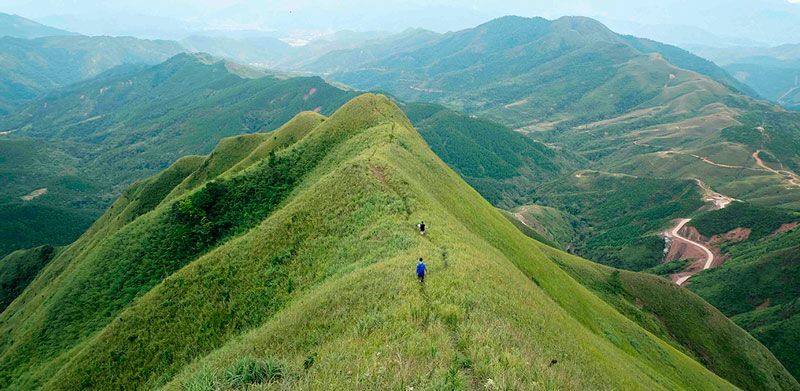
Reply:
x=421, y=227
x=421, y=269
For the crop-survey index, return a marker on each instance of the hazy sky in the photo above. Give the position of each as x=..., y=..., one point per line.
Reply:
x=770, y=21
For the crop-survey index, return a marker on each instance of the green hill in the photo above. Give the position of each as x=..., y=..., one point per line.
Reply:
x=295, y=272
x=502, y=165
x=86, y=142
x=625, y=104
x=758, y=286
x=522, y=71
x=19, y=27
x=19, y=268
x=31, y=67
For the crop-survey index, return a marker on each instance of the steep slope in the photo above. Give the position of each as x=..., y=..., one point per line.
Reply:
x=295, y=273
x=19, y=27
x=502, y=165
x=130, y=123
x=30, y=67
x=758, y=286
x=19, y=268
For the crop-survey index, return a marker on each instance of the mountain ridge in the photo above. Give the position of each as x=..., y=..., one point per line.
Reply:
x=283, y=270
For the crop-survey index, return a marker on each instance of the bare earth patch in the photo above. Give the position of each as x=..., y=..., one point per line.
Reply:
x=786, y=227
x=34, y=194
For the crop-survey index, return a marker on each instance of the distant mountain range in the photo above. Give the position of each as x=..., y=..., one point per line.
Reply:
x=774, y=72
x=19, y=27
x=590, y=141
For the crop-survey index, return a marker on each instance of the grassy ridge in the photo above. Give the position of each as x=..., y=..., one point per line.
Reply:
x=167, y=237
x=319, y=288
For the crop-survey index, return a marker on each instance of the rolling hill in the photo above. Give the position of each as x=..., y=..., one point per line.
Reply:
x=83, y=144
x=627, y=105
x=288, y=265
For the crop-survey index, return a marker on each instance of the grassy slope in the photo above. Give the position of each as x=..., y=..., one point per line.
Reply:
x=682, y=318
x=297, y=280
x=503, y=165
x=554, y=224
x=128, y=124
x=758, y=289
x=19, y=268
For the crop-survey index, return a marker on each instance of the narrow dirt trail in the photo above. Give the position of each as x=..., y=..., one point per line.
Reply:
x=675, y=234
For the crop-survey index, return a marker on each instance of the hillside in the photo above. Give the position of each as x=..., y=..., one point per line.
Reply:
x=502, y=165
x=524, y=70
x=295, y=272
x=758, y=286
x=127, y=124
x=617, y=218
x=30, y=67
x=624, y=104
x=19, y=27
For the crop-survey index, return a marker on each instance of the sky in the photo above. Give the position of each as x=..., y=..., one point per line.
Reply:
x=715, y=22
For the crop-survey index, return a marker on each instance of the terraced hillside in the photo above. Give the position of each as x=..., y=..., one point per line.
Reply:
x=293, y=268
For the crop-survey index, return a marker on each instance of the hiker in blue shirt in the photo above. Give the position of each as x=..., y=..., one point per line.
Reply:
x=421, y=269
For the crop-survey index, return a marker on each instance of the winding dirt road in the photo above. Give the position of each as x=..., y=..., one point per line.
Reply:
x=675, y=234
x=789, y=176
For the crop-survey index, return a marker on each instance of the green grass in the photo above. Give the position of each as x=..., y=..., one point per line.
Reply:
x=665, y=269
x=762, y=221
x=682, y=319
x=322, y=287
x=131, y=123
x=503, y=165
x=19, y=268
x=617, y=216
x=758, y=289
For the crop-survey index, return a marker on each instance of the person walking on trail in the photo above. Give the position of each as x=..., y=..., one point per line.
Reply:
x=421, y=227
x=421, y=269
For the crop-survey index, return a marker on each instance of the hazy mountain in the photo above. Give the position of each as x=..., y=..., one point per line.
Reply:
x=282, y=258
x=19, y=27
x=29, y=68
x=774, y=72
x=517, y=69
